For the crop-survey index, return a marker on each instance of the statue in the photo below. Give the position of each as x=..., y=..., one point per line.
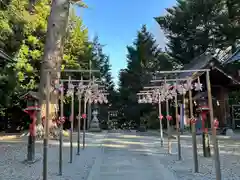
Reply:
x=94, y=125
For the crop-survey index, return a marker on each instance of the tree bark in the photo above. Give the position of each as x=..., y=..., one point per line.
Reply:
x=53, y=52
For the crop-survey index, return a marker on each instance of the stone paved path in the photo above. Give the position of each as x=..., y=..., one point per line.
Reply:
x=126, y=156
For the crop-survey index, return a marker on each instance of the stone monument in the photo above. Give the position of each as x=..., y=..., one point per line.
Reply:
x=94, y=125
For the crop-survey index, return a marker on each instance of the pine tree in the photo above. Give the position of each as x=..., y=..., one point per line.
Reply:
x=144, y=57
x=101, y=61
x=195, y=26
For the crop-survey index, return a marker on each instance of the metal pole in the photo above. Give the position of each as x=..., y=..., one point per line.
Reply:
x=168, y=125
x=45, y=141
x=168, y=129
x=31, y=144
x=79, y=124
x=89, y=104
x=214, y=136
x=183, y=113
x=178, y=129
x=89, y=115
x=194, y=138
x=60, y=132
x=108, y=119
x=71, y=132
x=84, y=122
x=160, y=120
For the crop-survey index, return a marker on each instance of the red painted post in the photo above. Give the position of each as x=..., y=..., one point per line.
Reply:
x=32, y=112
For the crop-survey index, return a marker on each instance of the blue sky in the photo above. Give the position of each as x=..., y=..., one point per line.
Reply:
x=116, y=22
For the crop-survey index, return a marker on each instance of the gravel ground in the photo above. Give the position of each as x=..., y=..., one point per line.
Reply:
x=229, y=154
x=13, y=154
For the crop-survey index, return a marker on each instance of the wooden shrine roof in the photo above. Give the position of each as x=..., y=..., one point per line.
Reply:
x=207, y=61
x=235, y=57
x=31, y=94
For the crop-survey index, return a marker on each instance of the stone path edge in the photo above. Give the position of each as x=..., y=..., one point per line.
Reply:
x=96, y=166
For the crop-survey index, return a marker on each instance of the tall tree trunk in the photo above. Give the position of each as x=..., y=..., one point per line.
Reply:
x=53, y=52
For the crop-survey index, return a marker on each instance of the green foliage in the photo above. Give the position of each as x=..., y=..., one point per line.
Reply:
x=76, y=44
x=101, y=61
x=144, y=57
x=194, y=26
x=151, y=119
x=23, y=38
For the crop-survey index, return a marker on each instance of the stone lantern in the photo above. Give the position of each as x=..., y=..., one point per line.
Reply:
x=202, y=111
x=32, y=109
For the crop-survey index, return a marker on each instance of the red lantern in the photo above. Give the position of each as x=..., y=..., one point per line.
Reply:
x=216, y=123
x=32, y=112
x=169, y=118
x=161, y=117
x=84, y=116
